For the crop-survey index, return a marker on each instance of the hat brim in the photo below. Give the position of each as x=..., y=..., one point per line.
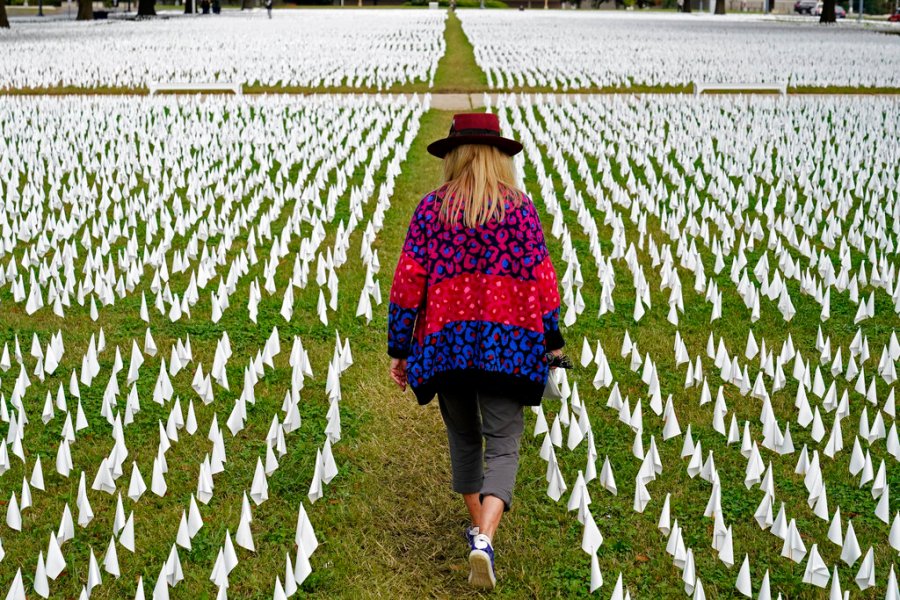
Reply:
x=441, y=147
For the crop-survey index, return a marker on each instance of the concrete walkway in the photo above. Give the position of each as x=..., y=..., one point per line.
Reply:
x=456, y=101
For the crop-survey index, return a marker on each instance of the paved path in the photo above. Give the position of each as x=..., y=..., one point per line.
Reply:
x=455, y=101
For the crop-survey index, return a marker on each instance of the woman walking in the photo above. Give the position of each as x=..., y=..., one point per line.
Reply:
x=474, y=316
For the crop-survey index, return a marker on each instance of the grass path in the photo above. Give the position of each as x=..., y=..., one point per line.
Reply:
x=400, y=538
x=457, y=70
x=402, y=534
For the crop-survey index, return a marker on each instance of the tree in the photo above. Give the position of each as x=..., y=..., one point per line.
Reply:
x=188, y=7
x=720, y=7
x=4, y=22
x=245, y=4
x=686, y=6
x=85, y=10
x=146, y=8
x=827, y=15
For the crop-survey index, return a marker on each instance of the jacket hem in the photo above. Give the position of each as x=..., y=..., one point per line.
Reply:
x=553, y=340
x=526, y=391
x=397, y=352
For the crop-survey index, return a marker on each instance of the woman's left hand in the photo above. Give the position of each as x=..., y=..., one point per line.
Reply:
x=557, y=352
x=398, y=372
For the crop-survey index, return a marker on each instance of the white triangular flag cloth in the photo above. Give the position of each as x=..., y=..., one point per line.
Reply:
x=305, y=535
x=596, y=576
x=13, y=515
x=183, y=537
x=111, y=560
x=259, y=490
x=243, y=535
x=279, y=594
x=172, y=568
x=229, y=554
x=302, y=568
x=617, y=590
x=290, y=584
x=55, y=563
x=17, y=588
x=850, y=550
x=94, y=578
x=816, y=572
x=591, y=539
x=126, y=538
x=865, y=577
x=41, y=585
x=743, y=584
x=161, y=589
x=315, y=486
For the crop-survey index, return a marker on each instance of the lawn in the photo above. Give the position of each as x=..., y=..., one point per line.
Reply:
x=388, y=524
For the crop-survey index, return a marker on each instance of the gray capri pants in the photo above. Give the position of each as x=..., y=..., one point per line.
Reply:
x=483, y=430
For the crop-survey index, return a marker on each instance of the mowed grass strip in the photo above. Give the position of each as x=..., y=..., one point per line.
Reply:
x=403, y=534
x=457, y=70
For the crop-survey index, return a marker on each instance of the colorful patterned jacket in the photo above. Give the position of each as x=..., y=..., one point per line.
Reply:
x=475, y=306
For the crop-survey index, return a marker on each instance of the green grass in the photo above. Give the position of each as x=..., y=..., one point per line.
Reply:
x=457, y=70
x=402, y=534
x=389, y=524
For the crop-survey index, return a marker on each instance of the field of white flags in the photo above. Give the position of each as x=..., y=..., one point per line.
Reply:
x=182, y=281
x=194, y=398
x=299, y=48
x=731, y=293
x=564, y=51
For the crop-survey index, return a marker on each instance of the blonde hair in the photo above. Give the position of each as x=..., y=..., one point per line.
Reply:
x=478, y=179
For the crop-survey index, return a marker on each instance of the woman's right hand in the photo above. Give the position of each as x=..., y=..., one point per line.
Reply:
x=398, y=372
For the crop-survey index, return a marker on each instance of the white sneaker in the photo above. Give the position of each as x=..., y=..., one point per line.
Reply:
x=470, y=534
x=481, y=563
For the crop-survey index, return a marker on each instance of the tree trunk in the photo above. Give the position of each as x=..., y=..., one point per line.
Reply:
x=828, y=15
x=4, y=22
x=720, y=7
x=686, y=7
x=146, y=8
x=85, y=10
x=188, y=7
x=245, y=4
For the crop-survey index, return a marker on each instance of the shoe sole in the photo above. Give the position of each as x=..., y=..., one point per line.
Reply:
x=481, y=575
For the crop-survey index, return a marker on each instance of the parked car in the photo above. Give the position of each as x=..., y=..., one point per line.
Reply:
x=805, y=7
x=839, y=11
x=895, y=16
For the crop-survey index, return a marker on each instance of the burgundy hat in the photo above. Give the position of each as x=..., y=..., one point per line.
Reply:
x=474, y=128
